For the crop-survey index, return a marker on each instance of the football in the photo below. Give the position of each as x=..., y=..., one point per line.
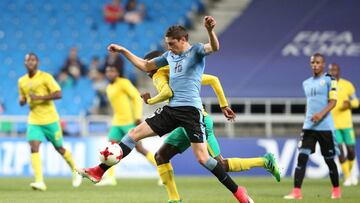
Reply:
x=110, y=154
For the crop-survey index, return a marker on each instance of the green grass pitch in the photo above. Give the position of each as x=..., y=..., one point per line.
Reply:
x=192, y=190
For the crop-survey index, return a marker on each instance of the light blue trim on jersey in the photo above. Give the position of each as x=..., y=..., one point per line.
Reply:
x=317, y=97
x=186, y=71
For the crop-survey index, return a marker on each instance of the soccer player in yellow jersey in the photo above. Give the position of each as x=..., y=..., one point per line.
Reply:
x=38, y=89
x=126, y=103
x=345, y=134
x=177, y=142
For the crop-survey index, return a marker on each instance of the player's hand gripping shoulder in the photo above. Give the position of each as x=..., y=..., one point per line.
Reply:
x=228, y=113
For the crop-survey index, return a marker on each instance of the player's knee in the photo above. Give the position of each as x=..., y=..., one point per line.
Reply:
x=223, y=163
x=139, y=148
x=351, y=153
x=61, y=150
x=202, y=159
x=342, y=158
x=34, y=149
x=160, y=158
x=330, y=162
x=135, y=134
x=132, y=133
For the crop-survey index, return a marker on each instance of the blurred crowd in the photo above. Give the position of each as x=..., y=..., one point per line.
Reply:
x=74, y=69
x=132, y=13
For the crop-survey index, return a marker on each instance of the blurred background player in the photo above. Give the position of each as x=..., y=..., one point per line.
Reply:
x=126, y=103
x=345, y=133
x=177, y=142
x=320, y=92
x=39, y=89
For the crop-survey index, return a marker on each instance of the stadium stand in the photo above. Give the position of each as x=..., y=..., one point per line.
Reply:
x=50, y=28
x=257, y=61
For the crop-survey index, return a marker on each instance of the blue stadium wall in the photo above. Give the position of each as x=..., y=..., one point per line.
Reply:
x=15, y=157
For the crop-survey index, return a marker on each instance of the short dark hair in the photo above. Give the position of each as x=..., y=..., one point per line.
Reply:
x=153, y=54
x=319, y=55
x=33, y=54
x=177, y=32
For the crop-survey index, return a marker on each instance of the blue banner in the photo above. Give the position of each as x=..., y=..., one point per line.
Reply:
x=15, y=157
x=266, y=51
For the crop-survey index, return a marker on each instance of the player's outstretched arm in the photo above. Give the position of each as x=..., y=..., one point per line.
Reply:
x=215, y=84
x=213, y=44
x=138, y=62
x=164, y=94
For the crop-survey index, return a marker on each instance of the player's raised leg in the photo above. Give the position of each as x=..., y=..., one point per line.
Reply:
x=200, y=151
x=110, y=178
x=236, y=164
x=127, y=144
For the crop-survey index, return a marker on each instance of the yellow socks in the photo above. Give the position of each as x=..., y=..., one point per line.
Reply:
x=351, y=164
x=150, y=156
x=240, y=164
x=36, y=166
x=68, y=158
x=166, y=173
x=345, y=169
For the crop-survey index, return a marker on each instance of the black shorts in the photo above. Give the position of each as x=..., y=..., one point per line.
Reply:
x=168, y=118
x=309, y=138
